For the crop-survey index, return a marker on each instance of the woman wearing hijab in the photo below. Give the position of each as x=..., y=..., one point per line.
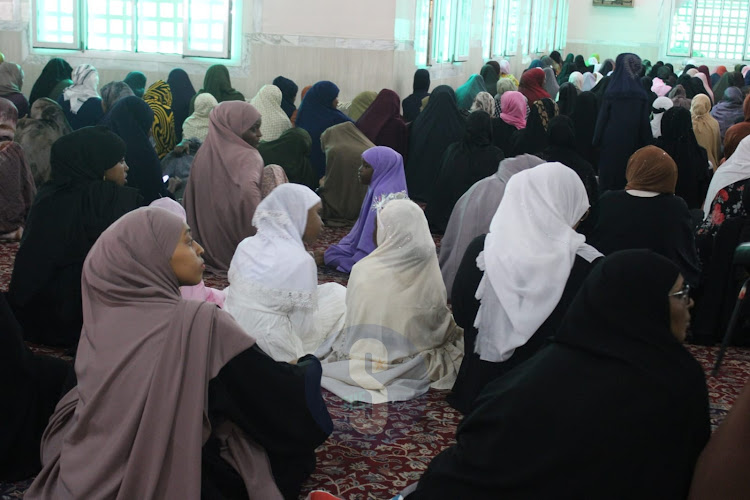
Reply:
x=706, y=128
x=288, y=95
x=649, y=214
x=623, y=124
x=36, y=133
x=532, y=85
x=706, y=85
x=567, y=99
x=557, y=58
x=576, y=79
x=512, y=118
x=679, y=97
x=85, y=194
x=661, y=105
x=420, y=90
x=81, y=102
x=581, y=65
x=620, y=341
x=382, y=170
x=590, y=80
x=490, y=77
x=505, y=72
x=55, y=77
x=679, y=141
x=273, y=281
x=533, y=138
x=316, y=114
x=16, y=179
x=11, y=82
x=196, y=125
x=218, y=84
x=550, y=83
x=568, y=68
x=464, y=163
x=268, y=103
x=211, y=428
x=473, y=213
x=182, y=93
x=360, y=104
x=503, y=85
x=484, y=102
x=382, y=123
x=159, y=99
x=137, y=83
x=224, y=188
x=292, y=152
x=730, y=79
x=584, y=119
x=113, y=92
x=729, y=111
x=508, y=295
x=396, y=315
x=132, y=120
x=341, y=189
x=466, y=93
x=436, y=128
x=647, y=84
x=738, y=131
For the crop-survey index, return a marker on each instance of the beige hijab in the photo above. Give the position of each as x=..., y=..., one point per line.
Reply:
x=135, y=424
x=706, y=128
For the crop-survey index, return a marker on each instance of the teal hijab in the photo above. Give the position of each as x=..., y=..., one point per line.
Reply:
x=466, y=93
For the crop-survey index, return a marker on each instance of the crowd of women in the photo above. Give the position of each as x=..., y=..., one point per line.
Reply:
x=584, y=206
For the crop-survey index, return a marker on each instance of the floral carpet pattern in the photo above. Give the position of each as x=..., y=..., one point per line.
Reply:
x=376, y=451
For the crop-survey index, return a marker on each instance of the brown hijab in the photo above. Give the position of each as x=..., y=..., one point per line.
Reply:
x=225, y=184
x=135, y=424
x=651, y=169
x=17, y=189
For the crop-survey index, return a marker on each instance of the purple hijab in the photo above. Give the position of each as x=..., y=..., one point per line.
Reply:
x=388, y=177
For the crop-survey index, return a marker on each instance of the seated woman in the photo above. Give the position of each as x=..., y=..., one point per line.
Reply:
x=193, y=426
x=268, y=102
x=382, y=123
x=132, y=120
x=341, y=190
x=514, y=286
x=196, y=125
x=225, y=184
x=273, y=281
x=396, y=315
x=137, y=83
x=532, y=85
x=217, y=83
x=292, y=152
x=318, y=112
x=288, y=96
x=17, y=187
x=473, y=213
x=37, y=133
x=511, y=117
x=532, y=139
x=420, y=90
x=382, y=170
x=55, y=78
x=648, y=214
x=81, y=102
x=464, y=163
x=505, y=72
x=159, y=99
x=729, y=110
x=635, y=402
x=85, y=194
x=11, y=82
x=359, y=104
x=35, y=383
x=738, y=131
x=113, y=92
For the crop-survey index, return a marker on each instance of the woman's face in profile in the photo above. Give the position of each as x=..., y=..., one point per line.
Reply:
x=680, y=304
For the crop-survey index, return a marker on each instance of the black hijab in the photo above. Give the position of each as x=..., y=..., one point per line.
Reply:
x=437, y=127
x=464, y=163
x=678, y=140
x=533, y=139
x=421, y=89
x=182, y=93
x=566, y=100
x=557, y=57
x=562, y=147
x=655, y=69
x=729, y=79
x=288, y=94
x=607, y=66
x=137, y=82
x=647, y=83
x=584, y=121
x=55, y=71
x=630, y=392
x=581, y=67
x=131, y=119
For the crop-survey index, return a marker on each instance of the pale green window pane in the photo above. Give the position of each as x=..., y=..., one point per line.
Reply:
x=148, y=45
x=116, y=27
x=149, y=9
x=217, y=31
x=166, y=30
x=166, y=10
x=116, y=8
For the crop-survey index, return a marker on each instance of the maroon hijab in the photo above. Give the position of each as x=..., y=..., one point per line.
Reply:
x=382, y=122
x=135, y=424
x=532, y=85
x=704, y=69
x=225, y=184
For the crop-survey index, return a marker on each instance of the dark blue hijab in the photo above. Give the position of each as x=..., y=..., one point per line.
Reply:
x=182, y=92
x=626, y=79
x=288, y=94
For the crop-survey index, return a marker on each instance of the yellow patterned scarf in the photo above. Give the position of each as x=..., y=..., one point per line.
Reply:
x=159, y=98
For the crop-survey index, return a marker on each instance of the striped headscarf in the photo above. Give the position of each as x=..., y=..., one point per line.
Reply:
x=159, y=98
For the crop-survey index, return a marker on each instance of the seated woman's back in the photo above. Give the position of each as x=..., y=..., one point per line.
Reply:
x=81, y=102
x=636, y=404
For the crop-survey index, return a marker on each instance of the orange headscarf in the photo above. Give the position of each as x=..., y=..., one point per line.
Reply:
x=651, y=169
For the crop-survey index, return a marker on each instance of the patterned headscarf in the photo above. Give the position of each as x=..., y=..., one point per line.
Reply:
x=159, y=98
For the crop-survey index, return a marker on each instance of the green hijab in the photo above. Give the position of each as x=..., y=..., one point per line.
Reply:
x=218, y=84
x=360, y=104
x=291, y=151
x=490, y=77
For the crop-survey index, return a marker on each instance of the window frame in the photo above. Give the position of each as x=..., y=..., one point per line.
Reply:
x=745, y=46
x=77, y=20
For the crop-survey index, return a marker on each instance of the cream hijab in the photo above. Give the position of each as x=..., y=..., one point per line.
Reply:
x=274, y=120
x=528, y=255
x=196, y=125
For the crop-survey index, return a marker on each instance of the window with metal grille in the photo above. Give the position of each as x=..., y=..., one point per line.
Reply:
x=442, y=31
x=715, y=29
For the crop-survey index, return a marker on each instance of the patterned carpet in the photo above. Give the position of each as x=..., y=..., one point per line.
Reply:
x=375, y=451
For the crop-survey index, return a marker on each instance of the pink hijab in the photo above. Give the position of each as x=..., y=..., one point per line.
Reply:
x=224, y=187
x=706, y=85
x=513, y=109
x=660, y=88
x=135, y=424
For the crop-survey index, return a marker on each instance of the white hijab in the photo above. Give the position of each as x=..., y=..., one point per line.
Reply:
x=528, y=255
x=274, y=120
x=85, y=86
x=664, y=103
x=196, y=125
x=735, y=169
x=274, y=261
